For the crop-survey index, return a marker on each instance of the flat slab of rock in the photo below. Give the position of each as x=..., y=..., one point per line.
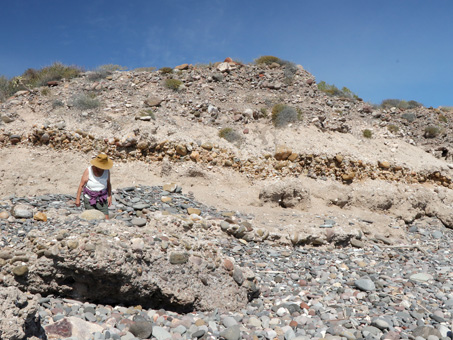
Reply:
x=92, y=214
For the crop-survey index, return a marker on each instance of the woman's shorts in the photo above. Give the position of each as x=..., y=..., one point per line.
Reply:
x=101, y=207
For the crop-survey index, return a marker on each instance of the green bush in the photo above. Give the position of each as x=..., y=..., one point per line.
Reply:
x=83, y=101
x=409, y=116
x=400, y=104
x=367, y=133
x=145, y=69
x=267, y=60
x=283, y=114
x=166, y=70
x=57, y=103
x=105, y=70
x=173, y=84
x=6, y=88
x=393, y=128
x=54, y=72
x=230, y=135
x=332, y=90
x=443, y=118
x=431, y=132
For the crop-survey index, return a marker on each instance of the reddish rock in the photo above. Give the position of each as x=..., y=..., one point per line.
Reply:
x=61, y=329
x=52, y=83
x=228, y=60
x=310, y=81
x=303, y=305
x=228, y=265
x=246, y=131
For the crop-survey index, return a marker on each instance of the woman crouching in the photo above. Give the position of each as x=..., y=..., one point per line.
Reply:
x=95, y=184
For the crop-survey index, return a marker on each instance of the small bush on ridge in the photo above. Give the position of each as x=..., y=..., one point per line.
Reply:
x=166, y=70
x=54, y=72
x=283, y=114
x=332, y=90
x=267, y=60
x=431, y=132
x=400, y=104
x=83, y=101
x=367, y=133
x=230, y=135
x=173, y=84
x=409, y=116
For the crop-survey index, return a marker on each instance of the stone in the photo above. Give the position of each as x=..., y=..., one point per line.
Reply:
x=160, y=333
x=22, y=211
x=40, y=216
x=223, y=67
x=365, y=285
x=139, y=222
x=421, y=277
x=182, y=67
x=282, y=152
x=141, y=329
x=92, y=214
x=178, y=258
x=181, y=150
x=231, y=333
x=207, y=146
x=153, y=101
x=14, y=139
x=20, y=270
x=384, y=164
x=195, y=211
x=4, y=215
x=72, y=327
x=170, y=187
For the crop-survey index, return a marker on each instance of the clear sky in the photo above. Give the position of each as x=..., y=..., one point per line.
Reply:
x=379, y=49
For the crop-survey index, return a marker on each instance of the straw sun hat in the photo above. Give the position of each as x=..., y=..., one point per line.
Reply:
x=102, y=161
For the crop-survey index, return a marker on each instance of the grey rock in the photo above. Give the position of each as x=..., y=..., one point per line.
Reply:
x=231, y=333
x=365, y=285
x=161, y=333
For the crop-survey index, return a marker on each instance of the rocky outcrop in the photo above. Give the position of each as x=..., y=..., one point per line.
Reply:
x=18, y=315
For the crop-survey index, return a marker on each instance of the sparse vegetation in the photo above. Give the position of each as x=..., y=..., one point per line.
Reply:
x=283, y=115
x=367, y=133
x=393, y=128
x=263, y=111
x=104, y=71
x=173, y=84
x=57, y=103
x=400, y=104
x=332, y=90
x=230, y=135
x=83, y=101
x=145, y=69
x=55, y=72
x=409, y=116
x=6, y=89
x=443, y=118
x=45, y=92
x=431, y=132
x=267, y=60
x=166, y=70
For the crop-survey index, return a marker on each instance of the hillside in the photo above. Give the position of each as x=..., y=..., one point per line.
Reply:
x=261, y=161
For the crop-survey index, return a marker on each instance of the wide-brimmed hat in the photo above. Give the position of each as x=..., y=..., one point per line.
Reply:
x=102, y=161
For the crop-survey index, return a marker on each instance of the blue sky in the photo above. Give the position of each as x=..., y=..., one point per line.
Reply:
x=378, y=49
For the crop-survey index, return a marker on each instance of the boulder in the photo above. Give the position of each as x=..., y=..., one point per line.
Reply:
x=92, y=214
x=287, y=194
x=19, y=318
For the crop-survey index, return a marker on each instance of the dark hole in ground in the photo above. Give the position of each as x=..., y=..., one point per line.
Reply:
x=107, y=289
